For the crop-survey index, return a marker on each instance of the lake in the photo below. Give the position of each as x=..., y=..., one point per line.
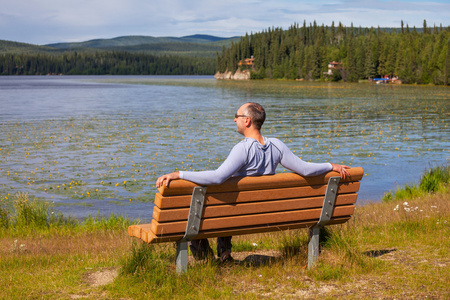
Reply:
x=96, y=144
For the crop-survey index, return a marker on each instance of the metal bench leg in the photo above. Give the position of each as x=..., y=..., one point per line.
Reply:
x=192, y=227
x=313, y=246
x=182, y=256
x=325, y=217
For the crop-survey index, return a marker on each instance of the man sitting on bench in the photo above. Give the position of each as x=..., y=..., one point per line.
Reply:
x=255, y=155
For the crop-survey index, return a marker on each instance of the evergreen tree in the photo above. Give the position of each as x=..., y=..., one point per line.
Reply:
x=366, y=53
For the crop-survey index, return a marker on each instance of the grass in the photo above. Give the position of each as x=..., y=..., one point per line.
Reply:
x=433, y=180
x=26, y=216
x=391, y=250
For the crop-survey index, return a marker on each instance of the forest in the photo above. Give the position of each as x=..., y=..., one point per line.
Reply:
x=104, y=63
x=413, y=55
x=419, y=56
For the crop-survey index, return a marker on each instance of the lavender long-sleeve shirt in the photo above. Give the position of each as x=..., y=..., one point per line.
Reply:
x=250, y=158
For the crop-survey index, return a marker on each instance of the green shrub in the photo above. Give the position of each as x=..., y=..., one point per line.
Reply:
x=388, y=197
x=432, y=181
x=408, y=192
x=26, y=215
x=30, y=213
x=145, y=261
x=139, y=259
x=4, y=218
x=112, y=222
x=57, y=219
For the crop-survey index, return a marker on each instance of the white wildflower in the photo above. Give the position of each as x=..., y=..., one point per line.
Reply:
x=14, y=246
x=405, y=203
x=396, y=208
x=255, y=244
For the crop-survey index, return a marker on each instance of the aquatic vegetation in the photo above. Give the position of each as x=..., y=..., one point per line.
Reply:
x=115, y=154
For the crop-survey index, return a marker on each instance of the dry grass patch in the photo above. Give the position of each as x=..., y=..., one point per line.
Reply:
x=94, y=243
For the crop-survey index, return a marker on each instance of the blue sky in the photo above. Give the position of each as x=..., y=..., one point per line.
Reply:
x=49, y=21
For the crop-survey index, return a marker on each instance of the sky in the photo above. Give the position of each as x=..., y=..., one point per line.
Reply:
x=51, y=21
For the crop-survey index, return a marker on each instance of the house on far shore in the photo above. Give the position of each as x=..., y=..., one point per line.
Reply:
x=248, y=62
x=333, y=66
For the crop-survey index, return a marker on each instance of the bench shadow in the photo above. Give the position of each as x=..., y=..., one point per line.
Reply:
x=378, y=253
x=256, y=260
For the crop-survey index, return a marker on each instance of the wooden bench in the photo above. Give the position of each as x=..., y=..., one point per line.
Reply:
x=185, y=211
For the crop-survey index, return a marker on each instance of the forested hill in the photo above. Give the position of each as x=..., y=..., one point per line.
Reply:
x=132, y=41
x=22, y=48
x=415, y=56
x=193, y=45
x=137, y=55
x=104, y=63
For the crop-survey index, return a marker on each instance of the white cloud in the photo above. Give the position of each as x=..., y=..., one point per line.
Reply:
x=48, y=21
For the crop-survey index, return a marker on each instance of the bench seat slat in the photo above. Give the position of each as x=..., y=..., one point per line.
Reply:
x=139, y=231
x=147, y=236
x=164, y=202
x=181, y=214
x=281, y=180
x=248, y=220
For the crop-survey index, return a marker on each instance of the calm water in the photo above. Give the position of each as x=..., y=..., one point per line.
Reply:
x=97, y=144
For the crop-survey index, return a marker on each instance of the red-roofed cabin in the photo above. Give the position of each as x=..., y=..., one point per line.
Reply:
x=247, y=62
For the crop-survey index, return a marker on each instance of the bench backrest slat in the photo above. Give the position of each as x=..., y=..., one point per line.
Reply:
x=165, y=202
x=181, y=214
x=249, y=183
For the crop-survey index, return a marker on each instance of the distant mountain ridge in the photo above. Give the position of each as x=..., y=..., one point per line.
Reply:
x=199, y=45
x=136, y=40
x=20, y=48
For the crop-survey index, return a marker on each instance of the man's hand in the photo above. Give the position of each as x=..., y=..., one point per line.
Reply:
x=342, y=169
x=167, y=178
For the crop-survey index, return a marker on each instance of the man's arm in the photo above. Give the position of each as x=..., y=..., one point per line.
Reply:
x=294, y=163
x=235, y=160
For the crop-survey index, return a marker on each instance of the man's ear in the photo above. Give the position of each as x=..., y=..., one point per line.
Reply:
x=248, y=122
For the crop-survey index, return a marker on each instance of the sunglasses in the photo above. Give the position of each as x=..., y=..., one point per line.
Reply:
x=237, y=116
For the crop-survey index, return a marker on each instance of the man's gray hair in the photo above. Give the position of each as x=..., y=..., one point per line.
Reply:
x=256, y=113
